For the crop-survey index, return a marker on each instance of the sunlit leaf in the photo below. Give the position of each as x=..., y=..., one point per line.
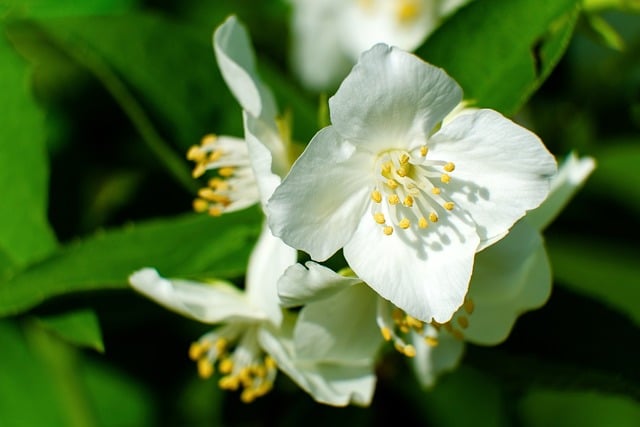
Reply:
x=501, y=51
x=188, y=246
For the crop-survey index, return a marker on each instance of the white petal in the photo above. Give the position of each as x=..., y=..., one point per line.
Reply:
x=318, y=205
x=267, y=153
x=236, y=61
x=317, y=54
x=430, y=362
x=391, y=99
x=502, y=170
x=425, y=274
x=207, y=302
x=268, y=261
x=300, y=285
x=331, y=383
x=509, y=278
x=341, y=328
x=571, y=175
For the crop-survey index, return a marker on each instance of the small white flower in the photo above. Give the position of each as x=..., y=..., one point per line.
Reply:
x=410, y=199
x=329, y=35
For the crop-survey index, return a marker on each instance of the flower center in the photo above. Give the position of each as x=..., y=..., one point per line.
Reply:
x=396, y=326
x=241, y=361
x=407, y=192
x=235, y=186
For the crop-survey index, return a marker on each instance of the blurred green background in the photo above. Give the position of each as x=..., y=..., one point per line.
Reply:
x=99, y=101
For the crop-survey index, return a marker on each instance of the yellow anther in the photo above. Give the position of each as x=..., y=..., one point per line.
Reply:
x=397, y=315
x=386, y=333
x=449, y=206
x=422, y=222
x=394, y=199
x=463, y=322
x=449, y=167
x=226, y=171
x=407, y=10
x=269, y=362
x=386, y=168
x=229, y=383
x=260, y=371
x=208, y=139
x=225, y=366
x=414, y=323
x=402, y=171
x=445, y=178
x=408, y=201
x=214, y=156
x=205, y=368
x=376, y=196
x=215, y=211
x=200, y=205
x=388, y=230
x=195, y=154
x=404, y=159
x=221, y=344
x=433, y=217
x=404, y=223
x=248, y=395
x=436, y=190
x=469, y=306
x=424, y=150
x=392, y=183
x=199, y=170
x=196, y=350
x=431, y=341
x=216, y=183
x=379, y=217
x=409, y=351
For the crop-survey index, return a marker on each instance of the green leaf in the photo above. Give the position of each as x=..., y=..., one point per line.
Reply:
x=78, y=327
x=501, y=51
x=599, y=270
x=585, y=409
x=25, y=234
x=187, y=246
x=48, y=9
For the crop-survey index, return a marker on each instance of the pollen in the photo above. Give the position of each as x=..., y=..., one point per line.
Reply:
x=424, y=150
x=445, y=178
x=386, y=333
x=402, y=171
x=404, y=223
x=226, y=171
x=394, y=199
x=431, y=341
x=422, y=222
x=392, y=183
x=404, y=159
x=200, y=205
x=436, y=190
x=407, y=10
x=409, y=351
x=449, y=206
x=376, y=196
x=379, y=217
x=449, y=167
x=205, y=368
x=388, y=230
x=433, y=217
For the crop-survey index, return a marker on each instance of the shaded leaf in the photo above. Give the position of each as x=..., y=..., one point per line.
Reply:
x=78, y=327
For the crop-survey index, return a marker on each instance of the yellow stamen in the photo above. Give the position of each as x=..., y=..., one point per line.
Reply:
x=409, y=351
x=424, y=150
x=407, y=10
x=196, y=350
x=404, y=159
x=449, y=167
x=408, y=201
x=394, y=199
x=386, y=333
x=205, y=368
x=200, y=205
x=226, y=171
x=431, y=341
x=404, y=223
x=215, y=211
x=392, y=183
x=199, y=170
x=422, y=222
x=433, y=217
x=388, y=230
x=436, y=190
x=195, y=154
x=449, y=206
x=376, y=196
x=386, y=168
x=402, y=171
x=229, y=383
x=445, y=178
x=208, y=139
x=225, y=366
x=379, y=217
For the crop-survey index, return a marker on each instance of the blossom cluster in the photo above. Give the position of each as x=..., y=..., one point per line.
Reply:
x=435, y=208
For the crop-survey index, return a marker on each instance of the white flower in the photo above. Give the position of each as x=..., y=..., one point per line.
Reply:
x=409, y=198
x=329, y=35
x=254, y=339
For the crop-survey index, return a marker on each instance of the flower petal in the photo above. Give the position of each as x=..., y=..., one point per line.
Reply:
x=301, y=285
x=502, y=170
x=206, y=302
x=268, y=261
x=318, y=205
x=425, y=274
x=432, y=361
x=391, y=99
x=571, y=175
x=341, y=328
x=236, y=61
x=509, y=278
x=329, y=383
x=267, y=153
